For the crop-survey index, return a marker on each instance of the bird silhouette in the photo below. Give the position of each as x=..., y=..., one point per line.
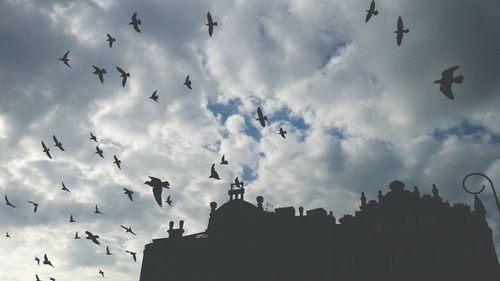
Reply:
x=97, y=210
x=76, y=235
x=117, y=162
x=64, y=187
x=7, y=202
x=261, y=117
x=58, y=144
x=223, y=160
x=37, y=259
x=93, y=137
x=128, y=229
x=92, y=237
x=237, y=183
x=99, y=72
x=52, y=279
x=447, y=80
x=213, y=173
x=124, y=75
x=282, y=133
x=71, y=218
x=188, y=83
x=107, y=251
x=129, y=193
x=400, y=31
x=101, y=272
x=169, y=201
x=35, y=205
x=46, y=260
x=133, y=255
x=65, y=59
x=210, y=24
x=154, y=96
x=37, y=278
x=158, y=186
x=371, y=12
x=99, y=151
x=7, y=235
x=135, y=22
x=110, y=40
x=46, y=150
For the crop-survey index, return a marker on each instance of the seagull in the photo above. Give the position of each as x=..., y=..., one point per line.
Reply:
x=135, y=22
x=93, y=137
x=400, y=31
x=65, y=59
x=92, y=237
x=124, y=75
x=223, y=160
x=99, y=72
x=76, y=235
x=282, y=133
x=129, y=194
x=213, y=173
x=46, y=260
x=101, y=272
x=262, y=118
x=169, y=201
x=64, y=187
x=117, y=162
x=128, y=229
x=447, y=80
x=210, y=24
x=71, y=218
x=188, y=83
x=158, y=186
x=99, y=151
x=58, y=144
x=238, y=183
x=133, y=254
x=97, y=210
x=37, y=278
x=7, y=235
x=154, y=96
x=37, y=259
x=34, y=204
x=107, y=251
x=7, y=202
x=46, y=150
x=52, y=279
x=371, y=11
x=110, y=40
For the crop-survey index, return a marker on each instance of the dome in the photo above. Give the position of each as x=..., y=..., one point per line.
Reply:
x=233, y=216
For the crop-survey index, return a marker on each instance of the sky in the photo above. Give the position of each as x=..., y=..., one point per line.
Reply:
x=359, y=112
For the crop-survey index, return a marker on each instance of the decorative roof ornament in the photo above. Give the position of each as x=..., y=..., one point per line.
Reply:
x=481, y=190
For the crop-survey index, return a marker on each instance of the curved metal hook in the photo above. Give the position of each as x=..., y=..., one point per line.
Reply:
x=481, y=190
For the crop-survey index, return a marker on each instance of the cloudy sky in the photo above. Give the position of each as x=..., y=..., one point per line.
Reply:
x=359, y=111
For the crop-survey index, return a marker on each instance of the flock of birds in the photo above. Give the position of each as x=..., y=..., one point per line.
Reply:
x=157, y=184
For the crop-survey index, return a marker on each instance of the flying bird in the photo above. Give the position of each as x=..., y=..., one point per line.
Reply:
x=188, y=83
x=93, y=137
x=371, y=12
x=158, y=186
x=97, y=210
x=128, y=229
x=107, y=251
x=154, y=96
x=34, y=204
x=58, y=144
x=282, y=133
x=133, y=254
x=210, y=24
x=135, y=22
x=7, y=202
x=117, y=162
x=400, y=31
x=37, y=278
x=76, y=235
x=99, y=72
x=223, y=160
x=37, y=259
x=124, y=75
x=71, y=218
x=64, y=187
x=213, y=173
x=7, y=235
x=110, y=40
x=92, y=237
x=101, y=272
x=169, y=201
x=46, y=260
x=129, y=194
x=65, y=59
x=262, y=118
x=99, y=151
x=52, y=279
x=447, y=80
x=46, y=150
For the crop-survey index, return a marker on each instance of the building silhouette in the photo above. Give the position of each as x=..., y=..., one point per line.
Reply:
x=402, y=236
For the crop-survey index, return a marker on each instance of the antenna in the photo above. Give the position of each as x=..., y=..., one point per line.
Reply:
x=267, y=205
